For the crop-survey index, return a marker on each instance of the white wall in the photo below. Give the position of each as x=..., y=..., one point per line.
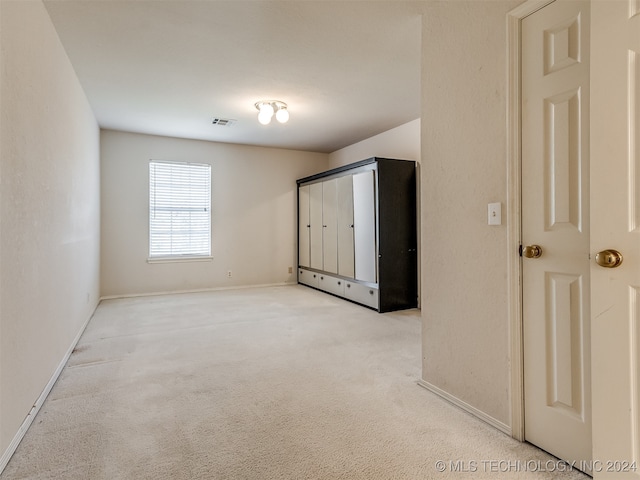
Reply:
x=49, y=211
x=253, y=214
x=464, y=267
x=402, y=142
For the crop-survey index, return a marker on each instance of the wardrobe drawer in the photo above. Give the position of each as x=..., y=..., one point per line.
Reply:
x=362, y=294
x=331, y=284
x=308, y=277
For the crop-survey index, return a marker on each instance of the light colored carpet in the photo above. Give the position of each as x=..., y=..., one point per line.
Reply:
x=263, y=383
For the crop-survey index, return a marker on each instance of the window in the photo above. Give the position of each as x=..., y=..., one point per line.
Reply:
x=179, y=210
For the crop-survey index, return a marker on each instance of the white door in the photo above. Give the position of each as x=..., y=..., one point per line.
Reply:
x=315, y=220
x=346, y=265
x=555, y=217
x=330, y=226
x=303, y=226
x=364, y=226
x=615, y=213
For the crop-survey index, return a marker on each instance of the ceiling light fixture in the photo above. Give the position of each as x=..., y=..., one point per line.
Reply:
x=267, y=108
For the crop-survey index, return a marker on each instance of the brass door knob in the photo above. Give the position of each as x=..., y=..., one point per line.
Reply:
x=609, y=258
x=532, y=251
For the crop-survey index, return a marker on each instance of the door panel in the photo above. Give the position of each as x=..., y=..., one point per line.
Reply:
x=303, y=227
x=364, y=225
x=565, y=376
x=555, y=215
x=346, y=261
x=315, y=220
x=564, y=195
x=616, y=213
x=330, y=226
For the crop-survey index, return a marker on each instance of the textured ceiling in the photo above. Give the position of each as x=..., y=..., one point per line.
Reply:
x=348, y=69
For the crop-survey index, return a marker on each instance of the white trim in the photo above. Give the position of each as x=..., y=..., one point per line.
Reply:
x=180, y=259
x=8, y=453
x=196, y=290
x=504, y=428
x=514, y=208
x=527, y=8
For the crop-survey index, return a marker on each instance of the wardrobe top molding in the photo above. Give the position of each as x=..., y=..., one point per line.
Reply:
x=361, y=165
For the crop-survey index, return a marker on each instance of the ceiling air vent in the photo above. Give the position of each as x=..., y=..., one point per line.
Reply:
x=223, y=122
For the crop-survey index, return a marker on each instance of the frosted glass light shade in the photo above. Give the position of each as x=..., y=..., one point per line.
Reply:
x=282, y=115
x=265, y=118
x=266, y=109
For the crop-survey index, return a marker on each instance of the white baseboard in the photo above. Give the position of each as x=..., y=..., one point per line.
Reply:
x=197, y=290
x=8, y=453
x=466, y=407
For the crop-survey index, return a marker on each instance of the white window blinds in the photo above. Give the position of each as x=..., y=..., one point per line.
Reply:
x=179, y=209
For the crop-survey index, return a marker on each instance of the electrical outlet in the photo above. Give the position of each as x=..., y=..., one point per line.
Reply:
x=290, y=269
x=229, y=273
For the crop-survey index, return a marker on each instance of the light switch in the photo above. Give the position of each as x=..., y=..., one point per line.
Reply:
x=495, y=214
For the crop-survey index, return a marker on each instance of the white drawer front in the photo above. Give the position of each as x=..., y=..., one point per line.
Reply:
x=362, y=294
x=307, y=277
x=331, y=284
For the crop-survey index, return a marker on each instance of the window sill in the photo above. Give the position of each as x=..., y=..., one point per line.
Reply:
x=177, y=259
